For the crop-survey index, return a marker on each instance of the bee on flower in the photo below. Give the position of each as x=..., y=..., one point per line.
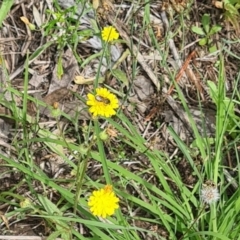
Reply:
x=103, y=103
x=103, y=202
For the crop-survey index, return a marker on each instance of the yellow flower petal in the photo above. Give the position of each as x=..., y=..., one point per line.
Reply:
x=103, y=103
x=109, y=34
x=103, y=202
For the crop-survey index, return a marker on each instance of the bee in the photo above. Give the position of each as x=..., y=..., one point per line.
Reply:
x=102, y=99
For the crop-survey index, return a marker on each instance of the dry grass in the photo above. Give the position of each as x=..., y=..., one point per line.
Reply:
x=164, y=84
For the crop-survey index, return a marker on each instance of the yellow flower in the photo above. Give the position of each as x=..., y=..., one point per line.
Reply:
x=103, y=202
x=109, y=34
x=103, y=103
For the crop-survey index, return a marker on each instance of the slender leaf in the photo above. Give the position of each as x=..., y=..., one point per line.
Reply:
x=198, y=30
x=4, y=10
x=215, y=29
x=206, y=22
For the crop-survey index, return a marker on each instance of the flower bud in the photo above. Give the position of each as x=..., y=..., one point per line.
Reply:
x=103, y=135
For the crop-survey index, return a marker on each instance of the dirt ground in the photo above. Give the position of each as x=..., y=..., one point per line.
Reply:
x=149, y=93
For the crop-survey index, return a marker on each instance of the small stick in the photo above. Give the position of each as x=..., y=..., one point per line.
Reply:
x=182, y=70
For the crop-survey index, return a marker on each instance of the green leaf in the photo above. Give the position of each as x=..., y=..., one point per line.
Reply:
x=215, y=29
x=208, y=140
x=86, y=33
x=54, y=235
x=233, y=19
x=49, y=207
x=52, y=210
x=213, y=91
x=237, y=205
x=203, y=41
x=40, y=50
x=59, y=68
x=57, y=148
x=212, y=49
x=121, y=76
x=5, y=8
x=231, y=9
x=206, y=22
x=229, y=106
x=198, y=30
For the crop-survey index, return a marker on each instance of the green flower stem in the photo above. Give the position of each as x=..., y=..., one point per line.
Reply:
x=220, y=131
x=102, y=153
x=107, y=176
x=81, y=170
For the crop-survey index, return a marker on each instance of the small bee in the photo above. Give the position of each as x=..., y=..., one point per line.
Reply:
x=102, y=99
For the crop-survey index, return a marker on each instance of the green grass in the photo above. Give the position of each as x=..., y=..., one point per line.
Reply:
x=155, y=194
x=5, y=7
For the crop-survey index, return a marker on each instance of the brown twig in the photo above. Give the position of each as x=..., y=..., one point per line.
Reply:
x=182, y=70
